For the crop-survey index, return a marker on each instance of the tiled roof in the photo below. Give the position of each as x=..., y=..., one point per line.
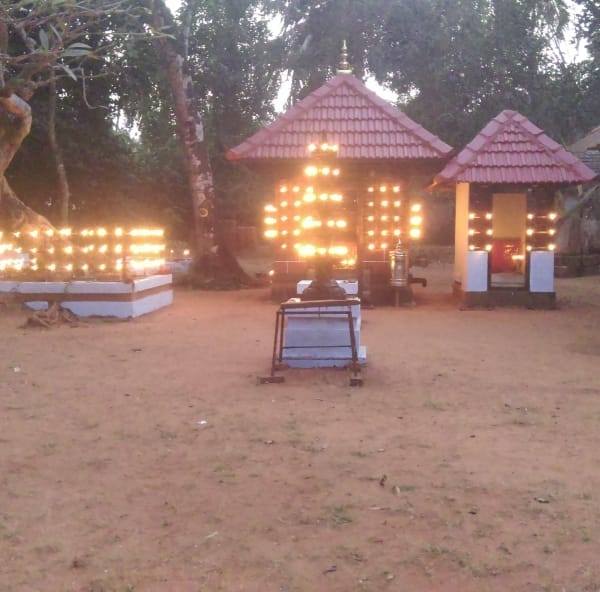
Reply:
x=591, y=158
x=591, y=141
x=510, y=149
x=345, y=112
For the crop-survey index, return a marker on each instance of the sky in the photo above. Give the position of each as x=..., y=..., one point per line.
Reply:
x=569, y=48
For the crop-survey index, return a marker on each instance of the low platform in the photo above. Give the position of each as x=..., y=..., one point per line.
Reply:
x=505, y=297
x=117, y=299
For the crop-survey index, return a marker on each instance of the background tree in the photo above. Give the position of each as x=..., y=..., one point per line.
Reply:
x=40, y=41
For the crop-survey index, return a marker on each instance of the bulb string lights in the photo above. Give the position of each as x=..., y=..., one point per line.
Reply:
x=79, y=254
x=539, y=231
x=310, y=216
x=389, y=217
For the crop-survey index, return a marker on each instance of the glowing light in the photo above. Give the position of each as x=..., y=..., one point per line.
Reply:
x=416, y=207
x=370, y=233
x=370, y=204
x=295, y=189
x=336, y=197
x=335, y=172
x=283, y=189
x=309, y=197
x=488, y=216
x=370, y=218
x=488, y=248
x=311, y=171
x=270, y=208
x=384, y=246
x=118, y=232
x=284, y=204
x=552, y=215
x=68, y=250
x=312, y=147
x=147, y=232
x=271, y=233
x=397, y=232
x=340, y=250
x=371, y=247
x=186, y=252
x=416, y=220
x=530, y=231
x=529, y=216
x=397, y=203
x=471, y=247
x=472, y=216
x=306, y=250
x=415, y=233
x=297, y=203
x=551, y=247
x=552, y=232
x=385, y=203
x=489, y=232
x=270, y=221
x=370, y=189
x=271, y=272
x=396, y=189
x=341, y=224
x=383, y=188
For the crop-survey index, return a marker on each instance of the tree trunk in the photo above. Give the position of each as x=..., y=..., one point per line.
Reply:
x=189, y=126
x=64, y=192
x=15, y=124
x=15, y=215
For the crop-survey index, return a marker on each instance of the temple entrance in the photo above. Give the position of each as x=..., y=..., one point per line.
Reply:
x=509, y=231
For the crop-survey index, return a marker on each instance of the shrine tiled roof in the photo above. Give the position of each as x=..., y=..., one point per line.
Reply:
x=510, y=149
x=345, y=112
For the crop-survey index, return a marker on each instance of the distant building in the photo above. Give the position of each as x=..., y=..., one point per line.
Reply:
x=587, y=149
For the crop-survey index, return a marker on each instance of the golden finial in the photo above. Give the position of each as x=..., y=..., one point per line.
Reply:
x=344, y=67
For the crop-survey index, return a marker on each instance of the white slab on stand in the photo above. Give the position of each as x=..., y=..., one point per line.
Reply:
x=323, y=335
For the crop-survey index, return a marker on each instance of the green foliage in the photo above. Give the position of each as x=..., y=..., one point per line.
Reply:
x=453, y=64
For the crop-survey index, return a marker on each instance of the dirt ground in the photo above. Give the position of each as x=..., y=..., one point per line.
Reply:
x=484, y=422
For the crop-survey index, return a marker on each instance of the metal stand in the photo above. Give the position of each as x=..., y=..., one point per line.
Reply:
x=287, y=309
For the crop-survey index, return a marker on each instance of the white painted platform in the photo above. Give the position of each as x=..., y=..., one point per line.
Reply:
x=123, y=300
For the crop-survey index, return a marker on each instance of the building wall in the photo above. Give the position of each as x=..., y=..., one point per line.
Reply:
x=461, y=230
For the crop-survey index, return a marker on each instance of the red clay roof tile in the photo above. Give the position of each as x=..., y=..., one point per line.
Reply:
x=511, y=149
x=346, y=112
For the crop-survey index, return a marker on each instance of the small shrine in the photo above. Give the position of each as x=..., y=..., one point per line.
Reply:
x=506, y=179
x=347, y=154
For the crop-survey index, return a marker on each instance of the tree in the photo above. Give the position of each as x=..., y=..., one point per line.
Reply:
x=40, y=41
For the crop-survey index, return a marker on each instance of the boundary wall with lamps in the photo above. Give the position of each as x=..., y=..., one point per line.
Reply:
x=91, y=271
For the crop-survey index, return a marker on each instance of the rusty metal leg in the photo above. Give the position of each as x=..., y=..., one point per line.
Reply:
x=272, y=377
x=355, y=380
x=281, y=328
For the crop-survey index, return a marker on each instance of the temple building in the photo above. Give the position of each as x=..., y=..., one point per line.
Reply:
x=384, y=162
x=506, y=179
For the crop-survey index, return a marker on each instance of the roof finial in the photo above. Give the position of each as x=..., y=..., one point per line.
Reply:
x=344, y=67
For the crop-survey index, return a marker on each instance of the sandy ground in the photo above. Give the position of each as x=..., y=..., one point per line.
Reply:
x=485, y=424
